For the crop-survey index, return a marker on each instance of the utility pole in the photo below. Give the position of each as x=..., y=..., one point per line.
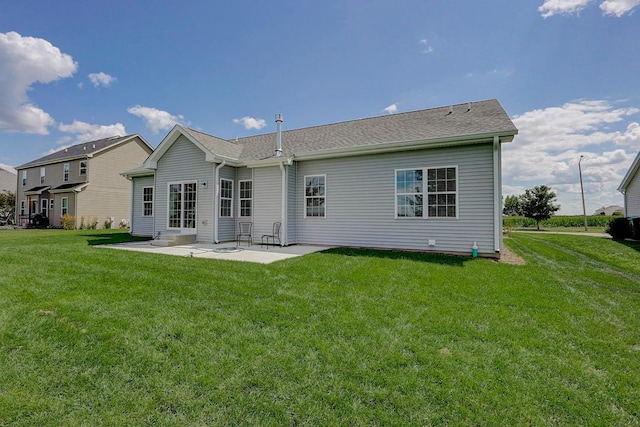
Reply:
x=584, y=209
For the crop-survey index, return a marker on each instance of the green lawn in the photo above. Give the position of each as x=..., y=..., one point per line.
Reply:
x=346, y=337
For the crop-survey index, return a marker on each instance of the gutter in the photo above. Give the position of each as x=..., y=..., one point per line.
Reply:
x=283, y=206
x=497, y=195
x=216, y=194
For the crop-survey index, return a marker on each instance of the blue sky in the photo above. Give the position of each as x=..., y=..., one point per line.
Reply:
x=566, y=71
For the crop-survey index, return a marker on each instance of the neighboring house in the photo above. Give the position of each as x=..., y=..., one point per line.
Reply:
x=426, y=180
x=8, y=180
x=81, y=181
x=630, y=188
x=610, y=210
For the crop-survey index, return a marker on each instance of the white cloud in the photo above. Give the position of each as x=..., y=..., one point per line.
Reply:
x=87, y=132
x=393, y=108
x=427, y=48
x=551, y=141
x=554, y=7
x=618, y=7
x=23, y=62
x=155, y=120
x=102, y=79
x=615, y=8
x=251, y=123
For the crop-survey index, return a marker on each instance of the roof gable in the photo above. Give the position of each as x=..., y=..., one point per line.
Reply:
x=85, y=149
x=631, y=173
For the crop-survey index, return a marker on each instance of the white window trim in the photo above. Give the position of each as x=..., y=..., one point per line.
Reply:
x=62, y=207
x=66, y=172
x=43, y=174
x=304, y=199
x=51, y=205
x=23, y=207
x=144, y=201
x=44, y=206
x=240, y=198
x=226, y=198
x=86, y=165
x=425, y=193
x=24, y=177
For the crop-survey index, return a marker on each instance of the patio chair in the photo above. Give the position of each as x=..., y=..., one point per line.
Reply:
x=275, y=235
x=246, y=230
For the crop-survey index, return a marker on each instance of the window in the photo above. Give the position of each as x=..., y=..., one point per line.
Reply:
x=83, y=167
x=147, y=201
x=315, y=195
x=51, y=205
x=23, y=207
x=24, y=177
x=226, y=197
x=441, y=191
x=409, y=193
x=42, y=175
x=64, y=206
x=246, y=196
x=182, y=205
x=34, y=207
x=65, y=172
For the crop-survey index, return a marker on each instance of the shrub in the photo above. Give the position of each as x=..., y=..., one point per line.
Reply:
x=68, y=222
x=93, y=224
x=619, y=228
x=107, y=223
x=82, y=226
x=635, y=228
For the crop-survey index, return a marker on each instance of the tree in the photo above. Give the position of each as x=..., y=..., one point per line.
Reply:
x=537, y=203
x=7, y=202
x=511, y=205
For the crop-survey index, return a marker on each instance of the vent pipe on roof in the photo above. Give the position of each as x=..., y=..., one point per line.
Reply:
x=278, y=152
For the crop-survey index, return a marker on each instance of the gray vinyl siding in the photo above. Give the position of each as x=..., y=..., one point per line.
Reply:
x=227, y=226
x=140, y=225
x=267, y=183
x=632, y=197
x=292, y=204
x=360, y=202
x=183, y=161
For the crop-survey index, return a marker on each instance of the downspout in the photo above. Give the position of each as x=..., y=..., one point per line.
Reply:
x=131, y=225
x=216, y=176
x=283, y=207
x=497, y=195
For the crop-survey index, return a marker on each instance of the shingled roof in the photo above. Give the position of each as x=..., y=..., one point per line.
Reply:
x=457, y=121
x=462, y=123
x=84, y=149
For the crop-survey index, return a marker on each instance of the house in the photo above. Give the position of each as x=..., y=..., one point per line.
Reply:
x=426, y=180
x=82, y=181
x=630, y=188
x=8, y=179
x=610, y=210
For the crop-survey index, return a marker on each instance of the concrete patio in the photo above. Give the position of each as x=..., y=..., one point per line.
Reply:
x=225, y=251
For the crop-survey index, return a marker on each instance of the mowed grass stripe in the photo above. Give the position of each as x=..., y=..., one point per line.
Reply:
x=104, y=337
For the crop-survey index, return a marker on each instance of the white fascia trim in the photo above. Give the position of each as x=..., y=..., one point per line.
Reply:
x=406, y=146
x=633, y=169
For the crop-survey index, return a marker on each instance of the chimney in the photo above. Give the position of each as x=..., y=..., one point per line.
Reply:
x=278, y=152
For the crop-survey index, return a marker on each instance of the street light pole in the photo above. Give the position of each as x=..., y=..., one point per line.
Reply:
x=584, y=209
